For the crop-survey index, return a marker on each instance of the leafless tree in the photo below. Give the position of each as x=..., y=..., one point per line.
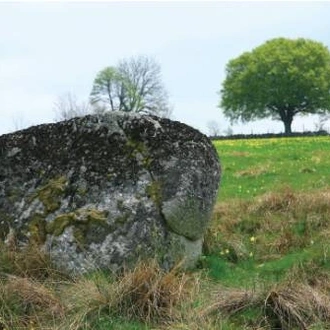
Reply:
x=19, y=121
x=213, y=128
x=228, y=131
x=322, y=121
x=134, y=85
x=67, y=106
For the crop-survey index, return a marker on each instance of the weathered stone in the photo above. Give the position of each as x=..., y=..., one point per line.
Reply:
x=104, y=191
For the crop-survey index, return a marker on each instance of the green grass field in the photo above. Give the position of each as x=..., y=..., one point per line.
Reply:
x=254, y=167
x=266, y=261
x=270, y=232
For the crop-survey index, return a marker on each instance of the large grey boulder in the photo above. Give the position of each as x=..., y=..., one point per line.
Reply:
x=106, y=191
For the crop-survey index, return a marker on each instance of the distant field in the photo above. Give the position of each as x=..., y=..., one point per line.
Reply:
x=253, y=167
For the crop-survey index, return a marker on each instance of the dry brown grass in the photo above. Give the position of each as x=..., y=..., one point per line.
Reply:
x=34, y=295
x=253, y=171
x=226, y=217
x=298, y=302
x=280, y=222
x=298, y=305
x=286, y=201
x=240, y=154
x=293, y=202
x=28, y=261
x=26, y=303
x=28, y=296
x=147, y=294
x=229, y=301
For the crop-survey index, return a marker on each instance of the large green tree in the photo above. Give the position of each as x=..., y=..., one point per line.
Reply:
x=278, y=80
x=133, y=85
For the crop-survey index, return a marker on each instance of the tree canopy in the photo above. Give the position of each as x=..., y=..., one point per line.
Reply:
x=133, y=85
x=279, y=79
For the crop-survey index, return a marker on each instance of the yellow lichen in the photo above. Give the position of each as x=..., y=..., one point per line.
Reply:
x=81, y=220
x=50, y=194
x=57, y=226
x=154, y=191
x=37, y=229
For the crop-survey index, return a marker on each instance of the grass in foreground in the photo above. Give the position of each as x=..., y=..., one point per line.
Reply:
x=265, y=265
x=42, y=298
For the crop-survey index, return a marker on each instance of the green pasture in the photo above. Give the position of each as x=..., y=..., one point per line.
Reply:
x=271, y=227
x=273, y=208
x=255, y=166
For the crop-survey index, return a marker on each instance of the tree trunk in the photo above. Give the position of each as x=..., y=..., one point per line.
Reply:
x=287, y=126
x=286, y=116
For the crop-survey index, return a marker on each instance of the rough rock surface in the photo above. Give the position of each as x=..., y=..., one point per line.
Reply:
x=104, y=191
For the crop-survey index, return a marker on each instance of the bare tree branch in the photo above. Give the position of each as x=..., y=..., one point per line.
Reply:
x=67, y=106
x=133, y=85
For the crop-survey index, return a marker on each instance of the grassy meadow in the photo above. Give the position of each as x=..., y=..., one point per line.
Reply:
x=257, y=166
x=266, y=262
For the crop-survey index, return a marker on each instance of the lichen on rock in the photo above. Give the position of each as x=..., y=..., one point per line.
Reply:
x=105, y=191
x=51, y=193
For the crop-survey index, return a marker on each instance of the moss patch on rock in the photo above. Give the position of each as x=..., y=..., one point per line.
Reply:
x=136, y=149
x=37, y=229
x=50, y=194
x=82, y=220
x=154, y=191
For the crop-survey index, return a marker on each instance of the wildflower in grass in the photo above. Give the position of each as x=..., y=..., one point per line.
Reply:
x=223, y=252
x=252, y=239
x=251, y=254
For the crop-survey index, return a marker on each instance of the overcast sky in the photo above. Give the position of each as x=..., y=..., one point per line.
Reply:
x=50, y=48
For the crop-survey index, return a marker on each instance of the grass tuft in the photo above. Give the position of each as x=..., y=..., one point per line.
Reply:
x=297, y=305
x=299, y=302
x=147, y=294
